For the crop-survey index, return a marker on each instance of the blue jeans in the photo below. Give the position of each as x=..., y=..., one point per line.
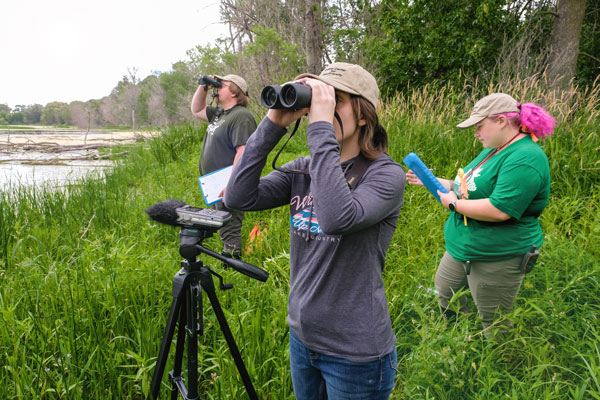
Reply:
x=317, y=376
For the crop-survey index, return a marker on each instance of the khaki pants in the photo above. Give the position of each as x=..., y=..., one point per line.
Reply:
x=231, y=234
x=494, y=284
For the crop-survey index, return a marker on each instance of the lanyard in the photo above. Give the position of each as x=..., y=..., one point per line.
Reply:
x=490, y=155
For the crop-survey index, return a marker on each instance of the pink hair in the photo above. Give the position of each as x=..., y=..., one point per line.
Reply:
x=534, y=118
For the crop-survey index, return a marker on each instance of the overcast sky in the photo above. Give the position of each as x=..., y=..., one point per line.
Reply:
x=66, y=50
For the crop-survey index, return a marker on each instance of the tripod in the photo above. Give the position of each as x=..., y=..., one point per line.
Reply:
x=186, y=310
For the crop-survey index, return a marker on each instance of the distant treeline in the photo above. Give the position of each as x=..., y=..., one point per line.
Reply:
x=405, y=43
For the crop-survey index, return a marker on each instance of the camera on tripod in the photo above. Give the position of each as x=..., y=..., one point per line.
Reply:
x=193, y=278
x=208, y=81
x=291, y=96
x=201, y=218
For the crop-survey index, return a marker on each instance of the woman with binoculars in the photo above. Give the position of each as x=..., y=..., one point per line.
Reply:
x=341, y=341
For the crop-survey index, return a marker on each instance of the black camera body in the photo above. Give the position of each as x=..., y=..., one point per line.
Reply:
x=291, y=96
x=208, y=81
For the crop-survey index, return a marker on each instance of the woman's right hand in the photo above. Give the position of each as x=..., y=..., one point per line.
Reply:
x=412, y=178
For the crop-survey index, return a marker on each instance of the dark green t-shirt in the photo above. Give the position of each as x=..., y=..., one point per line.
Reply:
x=227, y=130
x=517, y=182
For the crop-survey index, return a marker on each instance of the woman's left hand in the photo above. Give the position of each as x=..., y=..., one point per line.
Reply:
x=446, y=198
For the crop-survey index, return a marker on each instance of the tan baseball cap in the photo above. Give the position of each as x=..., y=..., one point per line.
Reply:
x=496, y=103
x=349, y=78
x=238, y=80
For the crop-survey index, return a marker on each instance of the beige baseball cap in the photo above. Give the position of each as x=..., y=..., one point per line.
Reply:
x=238, y=80
x=496, y=103
x=349, y=78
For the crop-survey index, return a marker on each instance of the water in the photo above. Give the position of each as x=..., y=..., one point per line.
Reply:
x=54, y=157
x=55, y=176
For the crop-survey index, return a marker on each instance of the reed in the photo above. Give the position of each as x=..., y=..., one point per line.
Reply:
x=85, y=279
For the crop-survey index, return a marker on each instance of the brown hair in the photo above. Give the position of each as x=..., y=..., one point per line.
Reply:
x=242, y=99
x=372, y=138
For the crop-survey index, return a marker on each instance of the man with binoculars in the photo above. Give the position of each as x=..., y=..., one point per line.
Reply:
x=230, y=126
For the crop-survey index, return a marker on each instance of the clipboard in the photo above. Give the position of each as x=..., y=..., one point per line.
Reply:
x=211, y=184
x=424, y=174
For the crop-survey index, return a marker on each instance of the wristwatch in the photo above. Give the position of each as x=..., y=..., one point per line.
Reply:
x=452, y=205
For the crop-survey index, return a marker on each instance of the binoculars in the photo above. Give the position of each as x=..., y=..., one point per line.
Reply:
x=291, y=96
x=207, y=80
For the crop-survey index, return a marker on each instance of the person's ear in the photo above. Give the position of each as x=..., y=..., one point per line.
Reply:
x=361, y=121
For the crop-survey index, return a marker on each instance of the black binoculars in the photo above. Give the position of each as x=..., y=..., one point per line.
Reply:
x=207, y=80
x=291, y=96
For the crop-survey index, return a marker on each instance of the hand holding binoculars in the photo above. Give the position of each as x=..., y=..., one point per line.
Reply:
x=208, y=81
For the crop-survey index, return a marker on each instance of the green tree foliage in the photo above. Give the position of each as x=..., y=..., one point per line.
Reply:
x=178, y=86
x=4, y=112
x=141, y=105
x=281, y=60
x=349, y=22
x=56, y=113
x=205, y=60
x=420, y=41
x=588, y=62
x=32, y=114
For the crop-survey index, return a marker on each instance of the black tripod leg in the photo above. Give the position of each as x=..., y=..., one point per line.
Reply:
x=175, y=375
x=209, y=288
x=193, y=328
x=161, y=361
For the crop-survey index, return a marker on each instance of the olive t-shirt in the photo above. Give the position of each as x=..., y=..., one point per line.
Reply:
x=227, y=130
x=517, y=182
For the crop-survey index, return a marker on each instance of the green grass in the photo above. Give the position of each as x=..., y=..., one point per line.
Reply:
x=85, y=278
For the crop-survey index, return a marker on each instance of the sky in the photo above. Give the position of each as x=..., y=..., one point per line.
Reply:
x=67, y=50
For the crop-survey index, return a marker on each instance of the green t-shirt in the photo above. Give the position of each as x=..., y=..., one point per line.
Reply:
x=227, y=130
x=517, y=182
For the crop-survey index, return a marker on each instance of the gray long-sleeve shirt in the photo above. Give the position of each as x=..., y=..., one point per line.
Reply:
x=338, y=239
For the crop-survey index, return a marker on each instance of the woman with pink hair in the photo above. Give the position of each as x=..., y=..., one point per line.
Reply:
x=493, y=232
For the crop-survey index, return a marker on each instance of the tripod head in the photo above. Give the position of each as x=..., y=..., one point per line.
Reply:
x=196, y=225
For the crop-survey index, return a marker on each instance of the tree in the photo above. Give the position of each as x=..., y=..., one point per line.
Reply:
x=203, y=60
x=564, y=47
x=178, y=86
x=117, y=107
x=4, y=112
x=80, y=114
x=314, y=36
x=32, y=114
x=298, y=22
x=349, y=23
x=588, y=62
x=420, y=41
x=270, y=58
x=149, y=109
x=56, y=113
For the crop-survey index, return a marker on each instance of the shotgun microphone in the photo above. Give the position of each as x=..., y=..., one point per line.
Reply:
x=165, y=211
x=178, y=213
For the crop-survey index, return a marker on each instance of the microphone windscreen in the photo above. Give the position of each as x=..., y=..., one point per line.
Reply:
x=164, y=212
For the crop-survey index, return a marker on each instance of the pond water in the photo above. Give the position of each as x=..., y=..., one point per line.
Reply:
x=54, y=157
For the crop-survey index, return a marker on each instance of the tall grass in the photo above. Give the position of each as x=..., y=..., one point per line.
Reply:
x=85, y=279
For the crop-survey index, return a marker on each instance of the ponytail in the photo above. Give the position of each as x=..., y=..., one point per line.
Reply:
x=536, y=120
x=532, y=120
